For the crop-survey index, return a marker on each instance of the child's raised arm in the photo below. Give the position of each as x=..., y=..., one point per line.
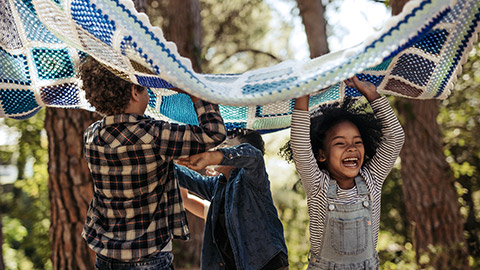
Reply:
x=300, y=144
x=176, y=140
x=301, y=103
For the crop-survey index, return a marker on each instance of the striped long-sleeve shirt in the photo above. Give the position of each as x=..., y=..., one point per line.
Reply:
x=316, y=181
x=136, y=207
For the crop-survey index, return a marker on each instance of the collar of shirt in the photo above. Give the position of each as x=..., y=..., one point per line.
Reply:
x=123, y=118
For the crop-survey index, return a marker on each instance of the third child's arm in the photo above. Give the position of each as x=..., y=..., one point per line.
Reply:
x=203, y=186
x=194, y=204
x=240, y=156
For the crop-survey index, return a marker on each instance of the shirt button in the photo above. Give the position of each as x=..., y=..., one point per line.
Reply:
x=365, y=204
x=331, y=207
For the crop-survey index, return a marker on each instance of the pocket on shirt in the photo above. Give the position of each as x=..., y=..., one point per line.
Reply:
x=349, y=237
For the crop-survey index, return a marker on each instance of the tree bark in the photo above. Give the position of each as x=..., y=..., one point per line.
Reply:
x=70, y=187
x=185, y=29
x=429, y=193
x=397, y=6
x=312, y=13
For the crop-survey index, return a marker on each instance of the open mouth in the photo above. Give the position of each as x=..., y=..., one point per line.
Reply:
x=350, y=162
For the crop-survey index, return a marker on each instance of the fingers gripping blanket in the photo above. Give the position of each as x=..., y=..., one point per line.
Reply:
x=418, y=54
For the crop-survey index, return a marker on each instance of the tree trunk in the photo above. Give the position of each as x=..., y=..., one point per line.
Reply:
x=429, y=194
x=70, y=187
x=472, y=226
x=184, y=28
x=312, y=13
x=397, y=6
x=431, y=200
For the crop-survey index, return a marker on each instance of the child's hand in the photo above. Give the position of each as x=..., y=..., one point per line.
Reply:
x=198, y=162
x=367, y=89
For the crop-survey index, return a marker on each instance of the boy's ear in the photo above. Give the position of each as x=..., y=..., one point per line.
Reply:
x=134, y=93
x=321, y=155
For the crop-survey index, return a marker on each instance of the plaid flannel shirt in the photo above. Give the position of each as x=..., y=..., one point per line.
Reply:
x=137, y=208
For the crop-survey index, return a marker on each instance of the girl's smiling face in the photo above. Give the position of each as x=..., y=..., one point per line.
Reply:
x=343, y=153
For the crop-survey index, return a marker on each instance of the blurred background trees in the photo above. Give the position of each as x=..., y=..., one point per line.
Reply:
x=24, y=203
x=459, y=121
x=236, y=36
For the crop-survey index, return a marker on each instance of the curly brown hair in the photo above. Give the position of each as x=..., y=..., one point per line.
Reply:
x=105, y=91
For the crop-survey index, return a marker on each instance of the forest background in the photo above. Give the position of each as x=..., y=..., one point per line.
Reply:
x=430, y=202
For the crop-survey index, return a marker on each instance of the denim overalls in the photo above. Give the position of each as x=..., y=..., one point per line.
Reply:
x=347, y=238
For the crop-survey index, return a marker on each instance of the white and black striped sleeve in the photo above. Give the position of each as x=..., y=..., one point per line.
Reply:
x=393, y=138
x=312, y=177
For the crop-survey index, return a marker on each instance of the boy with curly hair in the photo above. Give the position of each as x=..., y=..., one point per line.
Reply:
x=137, y=208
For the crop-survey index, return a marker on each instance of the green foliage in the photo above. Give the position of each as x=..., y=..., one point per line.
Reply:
x=392, y=216
x=25, y=205
x=232, y=43
x=6, y=157
x=30, y=144
x=394, y=252
x=237, y=35
x=460, y=122
x=290, y=200
x=292, y=210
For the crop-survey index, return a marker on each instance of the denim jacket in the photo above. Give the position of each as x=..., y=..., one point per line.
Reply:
x=254, y=229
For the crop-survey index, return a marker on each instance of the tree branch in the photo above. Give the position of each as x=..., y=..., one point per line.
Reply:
x=255, y=51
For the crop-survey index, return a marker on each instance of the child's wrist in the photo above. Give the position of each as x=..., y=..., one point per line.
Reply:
x=373, y=96
x=301, y=103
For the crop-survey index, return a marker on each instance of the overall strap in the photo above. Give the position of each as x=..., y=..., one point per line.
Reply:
x=361, y=185
x=332, y=189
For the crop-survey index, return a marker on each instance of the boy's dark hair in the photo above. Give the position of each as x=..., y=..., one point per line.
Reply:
x=324, y=118
x=105, y=91
x=250, y=136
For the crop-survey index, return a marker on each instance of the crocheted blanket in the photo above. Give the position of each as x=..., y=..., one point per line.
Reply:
x=417, y=54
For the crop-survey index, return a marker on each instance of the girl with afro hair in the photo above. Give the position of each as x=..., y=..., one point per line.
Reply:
x=343, y=155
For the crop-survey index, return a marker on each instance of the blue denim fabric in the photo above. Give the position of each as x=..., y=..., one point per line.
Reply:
x=347, y=239
x=254, y=229
x=162, y=261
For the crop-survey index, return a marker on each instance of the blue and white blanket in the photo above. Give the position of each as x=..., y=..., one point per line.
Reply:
x=418, y=54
